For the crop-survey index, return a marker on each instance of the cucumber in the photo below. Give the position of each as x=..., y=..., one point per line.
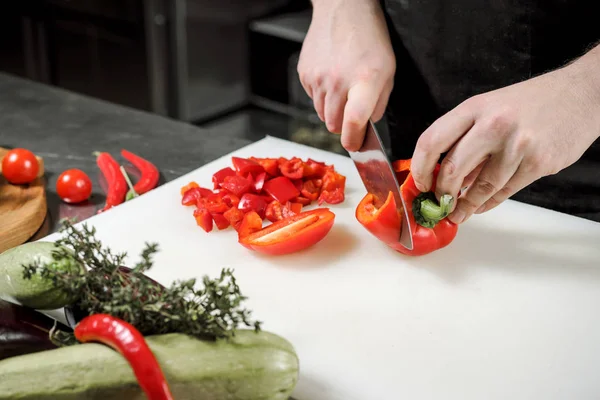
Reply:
x=250, y=366
x=37, y=292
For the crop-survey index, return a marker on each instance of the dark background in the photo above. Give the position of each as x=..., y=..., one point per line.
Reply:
x=227, y=64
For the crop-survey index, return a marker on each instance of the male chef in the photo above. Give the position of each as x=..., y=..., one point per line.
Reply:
x=505, y=93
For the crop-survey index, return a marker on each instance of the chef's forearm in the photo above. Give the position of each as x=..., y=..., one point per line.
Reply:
x=329, y=5
x=587, y=70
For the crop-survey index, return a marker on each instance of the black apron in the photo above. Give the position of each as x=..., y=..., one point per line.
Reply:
x=449, y=51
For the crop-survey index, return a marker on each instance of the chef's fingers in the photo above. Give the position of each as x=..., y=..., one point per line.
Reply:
x=319, y=103
x=498, y=170
x=519, y=181
x=438, y=139
x=381, y=105
x=475, y=147
x=471, y=177
x=334, y=110
x=362, y=98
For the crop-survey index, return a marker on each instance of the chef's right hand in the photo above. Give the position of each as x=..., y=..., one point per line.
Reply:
x=347, y=66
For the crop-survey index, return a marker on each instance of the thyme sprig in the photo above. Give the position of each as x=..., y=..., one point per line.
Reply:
x=105, y=285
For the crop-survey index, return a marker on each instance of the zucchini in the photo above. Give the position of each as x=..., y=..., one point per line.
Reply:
x=37, y=292
x=249, y=366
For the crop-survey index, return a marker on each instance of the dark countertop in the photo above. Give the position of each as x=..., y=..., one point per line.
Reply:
x=66, y=128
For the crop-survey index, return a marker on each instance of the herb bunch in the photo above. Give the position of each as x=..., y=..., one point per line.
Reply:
x=105, y=285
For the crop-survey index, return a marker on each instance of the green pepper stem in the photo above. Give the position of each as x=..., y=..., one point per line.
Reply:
x=428, y=212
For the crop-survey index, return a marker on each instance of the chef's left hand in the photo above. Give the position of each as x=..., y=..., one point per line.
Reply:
x=501, y=141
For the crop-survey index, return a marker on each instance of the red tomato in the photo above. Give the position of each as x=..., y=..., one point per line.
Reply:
x=19, y=166
x=74, y=186
x=291, y=234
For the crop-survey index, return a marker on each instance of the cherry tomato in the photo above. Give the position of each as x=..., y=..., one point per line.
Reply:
x=74, y=186
x=19, y=166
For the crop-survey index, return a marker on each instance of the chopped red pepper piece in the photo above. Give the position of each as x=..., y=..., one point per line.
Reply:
x=313, y=168
x=203, y=219
x=219, y=176
x=259, y=181
x=333, y=180
x=291, y=234
x=281, y=189
x=191, y=197
x=231, y=200
x=296, y=208
x=214, y=203
x=251, y=223
x=252, y=202
x=270, y=165
x=274, y=211
x=310, y=190
x=188, y=187
x=220, y=221
x=129, y=342
x=293, y=168
x=302, y=200
x=237, y=185
x=234, y=216
x=334, y=196
x=244, y=166
x=430, y=228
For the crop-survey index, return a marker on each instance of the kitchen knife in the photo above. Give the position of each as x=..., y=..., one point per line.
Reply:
x=379, y=178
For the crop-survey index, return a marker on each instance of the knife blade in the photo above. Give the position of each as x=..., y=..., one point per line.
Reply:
x=379, y=178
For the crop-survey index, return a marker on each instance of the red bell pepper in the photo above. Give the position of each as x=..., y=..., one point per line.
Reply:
x=244, y=166
x=289, y=235
x=252, y=202
x=203, y=219
x=292, y=168
x=270, y=165
x=193, y=195
x=129, y=342
x=281, y=189
x=234, y=216
x=259, y=181
x=430, y=228
x=251, y=223
x=219, y=176
x=220, y=221
x=237, y=185
x=277, y=211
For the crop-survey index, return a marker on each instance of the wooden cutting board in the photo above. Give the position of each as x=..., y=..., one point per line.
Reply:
x=23, y=209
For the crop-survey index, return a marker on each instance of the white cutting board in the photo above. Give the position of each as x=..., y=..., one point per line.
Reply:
x=508, y=311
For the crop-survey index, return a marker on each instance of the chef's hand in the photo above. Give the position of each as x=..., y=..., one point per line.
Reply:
x=347, y=66
x=501, y=141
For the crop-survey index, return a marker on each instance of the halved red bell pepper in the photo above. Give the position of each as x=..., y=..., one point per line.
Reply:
x=430, y=228
x=219, y=176
x=281, y=189
x=291, y=234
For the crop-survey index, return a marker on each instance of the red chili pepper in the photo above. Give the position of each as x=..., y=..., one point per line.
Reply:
x=117, y=186
x=430, y=228
x=124, y=338
x=150, y=174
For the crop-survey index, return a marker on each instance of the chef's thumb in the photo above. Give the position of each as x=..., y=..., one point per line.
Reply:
x=362, y=98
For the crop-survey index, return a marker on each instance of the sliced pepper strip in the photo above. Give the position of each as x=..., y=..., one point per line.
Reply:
x=129, y=342
x=430, y=228
x=290, y=234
